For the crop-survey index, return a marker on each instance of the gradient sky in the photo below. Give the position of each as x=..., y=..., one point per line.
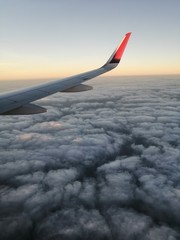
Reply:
x=56, y=38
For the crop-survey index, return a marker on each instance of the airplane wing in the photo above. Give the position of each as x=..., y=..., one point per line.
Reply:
x=19, y=102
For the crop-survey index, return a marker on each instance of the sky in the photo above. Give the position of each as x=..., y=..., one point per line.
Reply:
x=103, y=164
x=46, y=39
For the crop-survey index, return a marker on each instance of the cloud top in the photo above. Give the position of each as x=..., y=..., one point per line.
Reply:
x=97, y=165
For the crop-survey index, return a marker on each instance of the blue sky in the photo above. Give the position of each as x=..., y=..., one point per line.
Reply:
x=50, y=39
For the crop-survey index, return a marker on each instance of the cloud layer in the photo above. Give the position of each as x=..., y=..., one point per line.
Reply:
x=103, y=164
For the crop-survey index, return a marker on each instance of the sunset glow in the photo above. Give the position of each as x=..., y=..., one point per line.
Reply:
x=48, y=46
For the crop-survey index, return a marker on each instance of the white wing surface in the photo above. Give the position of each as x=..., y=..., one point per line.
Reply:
x=19, y=102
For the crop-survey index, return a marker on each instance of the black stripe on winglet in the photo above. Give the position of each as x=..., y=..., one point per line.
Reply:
x=115, y=60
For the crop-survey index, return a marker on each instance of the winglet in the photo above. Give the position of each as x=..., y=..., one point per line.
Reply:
x=117, y=54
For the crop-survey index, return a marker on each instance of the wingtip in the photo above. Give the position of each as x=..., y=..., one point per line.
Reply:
x=128, y=34
x=117, y=54
x=120, y=50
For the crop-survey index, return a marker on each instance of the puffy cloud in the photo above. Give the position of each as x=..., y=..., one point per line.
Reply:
x=102, y=164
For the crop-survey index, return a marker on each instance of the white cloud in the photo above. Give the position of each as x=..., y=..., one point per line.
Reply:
x=102, y=165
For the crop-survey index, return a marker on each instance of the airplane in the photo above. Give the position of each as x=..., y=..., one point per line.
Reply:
x=19, y=102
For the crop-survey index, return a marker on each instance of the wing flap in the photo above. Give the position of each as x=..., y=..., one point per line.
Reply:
x=27, y=109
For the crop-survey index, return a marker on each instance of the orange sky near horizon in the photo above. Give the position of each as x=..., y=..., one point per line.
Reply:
x=49, y=45
x=48, y=71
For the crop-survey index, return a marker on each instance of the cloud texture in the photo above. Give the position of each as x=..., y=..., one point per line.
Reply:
x=103, y=164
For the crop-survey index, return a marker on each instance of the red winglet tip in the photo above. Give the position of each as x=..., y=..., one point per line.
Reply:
x=119, y=52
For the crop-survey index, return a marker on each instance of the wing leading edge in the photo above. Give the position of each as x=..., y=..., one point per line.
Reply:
x=19, y=102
